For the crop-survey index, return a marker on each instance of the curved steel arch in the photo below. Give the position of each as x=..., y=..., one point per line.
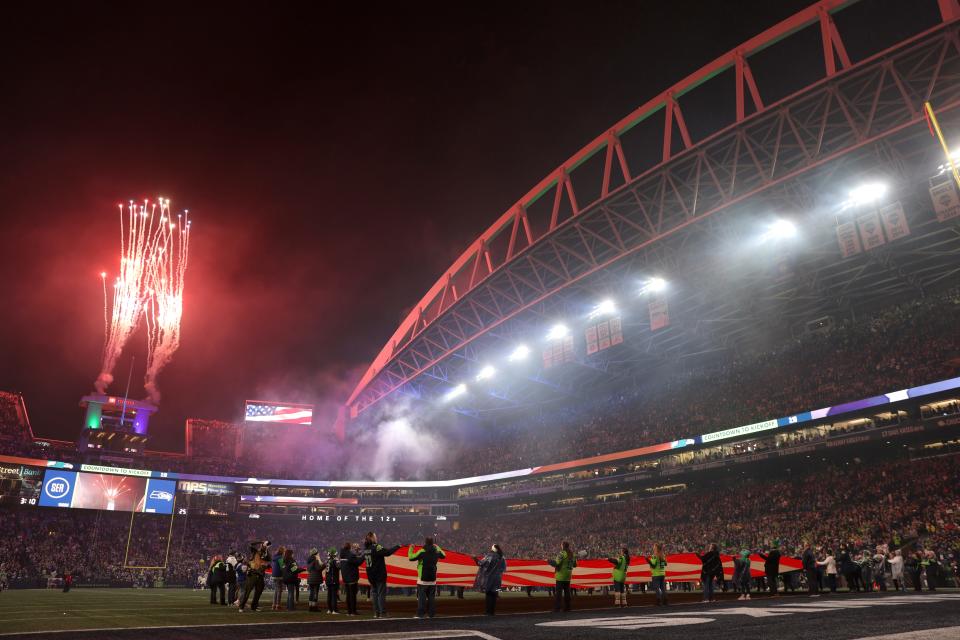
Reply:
x=850, y=106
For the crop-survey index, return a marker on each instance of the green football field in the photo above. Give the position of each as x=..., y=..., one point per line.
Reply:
x=46, y=610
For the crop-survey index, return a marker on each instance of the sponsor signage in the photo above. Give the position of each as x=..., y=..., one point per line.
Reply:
x=746, y=429
x=96, y=468
x=205, y=488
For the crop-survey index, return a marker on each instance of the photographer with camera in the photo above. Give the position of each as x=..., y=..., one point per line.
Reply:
x=259, y=559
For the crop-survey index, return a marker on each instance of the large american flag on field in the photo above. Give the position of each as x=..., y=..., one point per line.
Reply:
x=258, y=411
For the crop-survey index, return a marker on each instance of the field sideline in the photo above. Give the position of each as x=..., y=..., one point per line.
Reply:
x=24, y=610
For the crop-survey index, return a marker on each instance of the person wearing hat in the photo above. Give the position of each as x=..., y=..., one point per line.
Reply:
x=771, y=566
x=332, y=579
x=314, y=577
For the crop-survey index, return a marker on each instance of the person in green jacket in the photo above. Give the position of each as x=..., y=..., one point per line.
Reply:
x=620, y=565
x=658, y=572
x=563, y=565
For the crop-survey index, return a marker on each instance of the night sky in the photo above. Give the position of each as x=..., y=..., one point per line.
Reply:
x=334, y=160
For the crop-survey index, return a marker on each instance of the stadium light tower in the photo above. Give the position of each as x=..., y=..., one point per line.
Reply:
x=456, y=392
x=865, y=194
x=557, y=332
x=486, y=373
x=520, y=353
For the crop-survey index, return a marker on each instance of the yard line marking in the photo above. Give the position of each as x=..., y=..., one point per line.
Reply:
x=943, y=633
x=402, y=635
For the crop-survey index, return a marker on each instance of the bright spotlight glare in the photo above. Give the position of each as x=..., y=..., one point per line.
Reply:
x=520, y=353
x=486, y=372
x=458, y=390
x=866, y=193
x=557, y=331
x=654, y=285
x=605, y=308
x=782, y=229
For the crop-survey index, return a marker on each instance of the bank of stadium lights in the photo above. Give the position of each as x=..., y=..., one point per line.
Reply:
x=653, y=285
x=605, y=308
x=945, y=167
x=865, y=194
x=519, y=354
x=456, y=392
x=780, y=230
x=486, y=373
x=557, y=332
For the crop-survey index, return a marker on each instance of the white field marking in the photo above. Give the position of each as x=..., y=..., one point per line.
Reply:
x=631, y=623
x=782, y=609
x=943, y=633
x=402, y=635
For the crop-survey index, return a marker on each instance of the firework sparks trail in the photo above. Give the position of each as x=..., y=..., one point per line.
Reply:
x=164, y=307
x=153, y=261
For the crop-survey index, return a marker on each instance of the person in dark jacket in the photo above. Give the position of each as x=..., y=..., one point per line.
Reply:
x=314, y=578
x=217, y=579
x=256, y=569
x=426, y=558
x=276, y=572
x=290, y=572
x=849, y=569
x=374, y=555
x=712, y=567
x=620, y=565
x=771, y=567
x=350, y=562
x=809, y=561
x=230, y=564
x=332, y=580
x=490, y=577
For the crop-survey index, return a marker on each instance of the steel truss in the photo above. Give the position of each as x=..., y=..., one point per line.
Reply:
x=854, y=109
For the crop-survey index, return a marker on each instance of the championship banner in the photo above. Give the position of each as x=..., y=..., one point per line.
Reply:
x=460, y=569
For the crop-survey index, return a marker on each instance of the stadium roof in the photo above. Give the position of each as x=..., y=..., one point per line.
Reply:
x=695, y=212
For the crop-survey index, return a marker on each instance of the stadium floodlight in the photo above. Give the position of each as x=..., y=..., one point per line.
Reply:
x=456, y=392
x=520, y=353
x=605, y=308
x=780, y=230
x=486, y=373
x=557, y=332
x=653, y=285
x=866, y=194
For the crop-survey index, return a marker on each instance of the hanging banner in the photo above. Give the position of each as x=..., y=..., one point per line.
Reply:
x=946, y=201
x=659, y=314
x=848, y=239
x=894, y=221
x=603, y=335
x=558, y=352
x=871, y=233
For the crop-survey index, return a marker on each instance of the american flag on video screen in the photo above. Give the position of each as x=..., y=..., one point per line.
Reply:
x=279, y=413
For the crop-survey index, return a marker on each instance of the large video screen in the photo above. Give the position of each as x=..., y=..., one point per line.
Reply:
x=73, y=490
x=278, y=412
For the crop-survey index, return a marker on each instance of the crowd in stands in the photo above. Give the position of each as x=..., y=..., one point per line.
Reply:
x=897, y=503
